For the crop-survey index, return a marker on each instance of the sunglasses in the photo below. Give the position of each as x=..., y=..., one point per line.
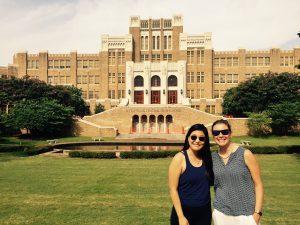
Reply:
x=217, y=132
x=194, y=138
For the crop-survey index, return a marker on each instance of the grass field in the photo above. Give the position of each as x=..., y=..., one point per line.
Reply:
x=46, y=190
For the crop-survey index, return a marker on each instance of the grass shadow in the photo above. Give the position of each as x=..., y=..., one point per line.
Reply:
x=9, y=156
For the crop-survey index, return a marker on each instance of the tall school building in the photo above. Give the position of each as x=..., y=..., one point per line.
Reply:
x=154, y=74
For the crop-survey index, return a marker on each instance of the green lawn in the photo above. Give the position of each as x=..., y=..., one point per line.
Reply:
x=46, y=190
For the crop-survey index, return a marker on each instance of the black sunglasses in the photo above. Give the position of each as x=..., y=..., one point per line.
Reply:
x=217, y=132
x=194, y=138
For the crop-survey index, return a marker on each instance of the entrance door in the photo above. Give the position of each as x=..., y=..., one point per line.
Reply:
x=139, y=97
x=172, y=97
x=155, y=97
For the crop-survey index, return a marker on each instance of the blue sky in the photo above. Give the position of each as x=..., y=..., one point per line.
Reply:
x=61, y=26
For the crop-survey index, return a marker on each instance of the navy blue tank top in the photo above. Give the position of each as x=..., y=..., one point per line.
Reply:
x=193, y=187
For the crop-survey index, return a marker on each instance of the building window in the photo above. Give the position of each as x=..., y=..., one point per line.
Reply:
x=229, y=61
x=223, y=62
x=200, y=77
x=111, y=94
x=85, y=64
x=235, y=78
x=84, y=94
x=144, y=57
x=96, y=94
x=155, y=57
x=229, y=79
x=172, y=81
x=200, y=56
x=32, y=64
x=167, y=57
x=153, y=42
x=169, y=42
x=210, y=109
x=111, y=58
x=50, y=64
x=235, y=61
x=139, y=81
x=78, y=80
x=216, y=78
x=56, y=64
x=111, y=78
x=287, y=61
x=91, y=94
x=50, y=79
x=200, y=93
x=142, y=43
x=121, y=57
x=190, y=77
x=155, y=81
x=84, y=79
x=155, y=23
x=167, y=23
x=190, y=93
x=121, y=78
x=144, y=24
x=222, y=78
x=216, y=62
x=68, y=64
x=91, y=79
x=190, y=57
x=121, y=94
x=97, y=79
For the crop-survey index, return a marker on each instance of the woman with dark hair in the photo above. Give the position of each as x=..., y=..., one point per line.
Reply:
x=190, y=177
x=238, y=186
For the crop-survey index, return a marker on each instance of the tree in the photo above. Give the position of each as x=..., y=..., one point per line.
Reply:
x=259, y=123
x=255, y=95
x=18, y=89
x=40, y=117
x=99, y=108
x=284, y=116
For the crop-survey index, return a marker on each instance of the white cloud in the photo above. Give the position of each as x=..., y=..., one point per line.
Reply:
x=64, y=26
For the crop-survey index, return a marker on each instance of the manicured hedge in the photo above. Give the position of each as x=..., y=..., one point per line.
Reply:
x=11, y=148
x=86, y=154
x=164, y=154
x=38, y=149
x=274, y=149
x=147, y=154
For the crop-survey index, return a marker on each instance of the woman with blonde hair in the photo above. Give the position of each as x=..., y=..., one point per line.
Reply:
x=238, y=185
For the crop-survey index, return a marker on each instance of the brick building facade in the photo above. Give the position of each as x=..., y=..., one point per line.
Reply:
x=156, y=63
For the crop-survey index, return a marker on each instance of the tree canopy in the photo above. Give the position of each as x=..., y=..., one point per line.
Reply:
x=41, y=117
x=14, y=90
x=257, y=94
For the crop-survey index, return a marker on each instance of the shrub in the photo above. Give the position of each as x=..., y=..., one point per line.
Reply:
x=259, y=124
x=147, y=154
x=35, y=150
x=98, y=155
x=11, y=148
x=291, y=149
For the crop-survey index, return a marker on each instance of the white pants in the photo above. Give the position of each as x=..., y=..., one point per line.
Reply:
x=222, y=219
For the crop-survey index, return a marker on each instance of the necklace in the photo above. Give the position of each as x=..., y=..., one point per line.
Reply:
x=226, y=157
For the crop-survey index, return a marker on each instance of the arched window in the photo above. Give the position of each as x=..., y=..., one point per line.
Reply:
x=169, y=119
x=155, y=81
x=172, y=81
x=139, y=81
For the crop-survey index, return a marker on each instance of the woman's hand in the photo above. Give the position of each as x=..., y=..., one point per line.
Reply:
x=256, y=217
x=183, y=221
